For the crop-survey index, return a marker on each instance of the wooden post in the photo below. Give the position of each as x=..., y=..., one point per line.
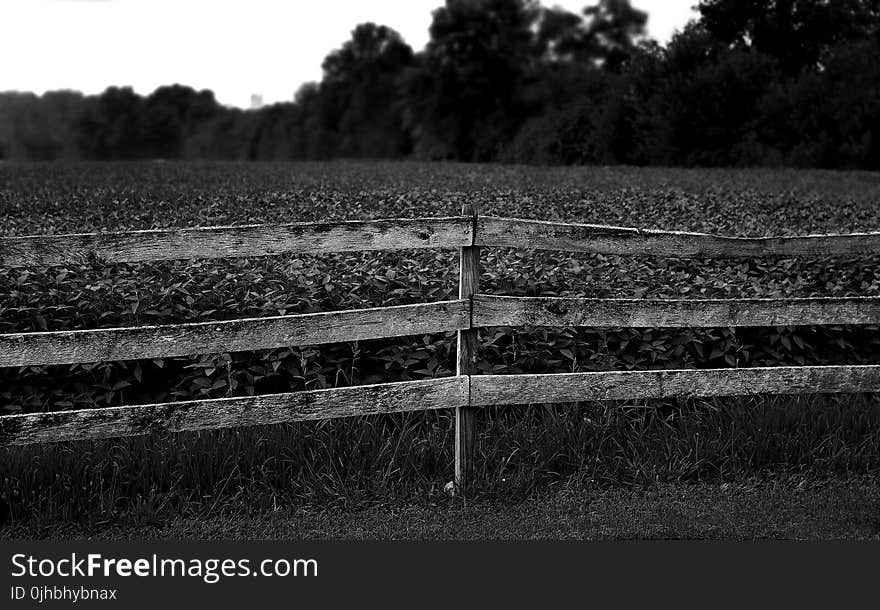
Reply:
x=469, y=280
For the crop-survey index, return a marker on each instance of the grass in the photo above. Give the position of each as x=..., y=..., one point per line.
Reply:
x=406, y=459
x=772, y=508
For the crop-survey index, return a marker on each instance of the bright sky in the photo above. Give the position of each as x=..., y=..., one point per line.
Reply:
x=233, y=47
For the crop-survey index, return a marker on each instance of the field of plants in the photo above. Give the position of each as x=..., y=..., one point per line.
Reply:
x=408, y=457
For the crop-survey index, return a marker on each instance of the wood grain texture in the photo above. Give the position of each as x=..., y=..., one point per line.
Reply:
x=490, y=310
x=467, y=353
x=631, y=385
x=516, y=233
x=237, y=241
x=66, y=347
x=232, y=412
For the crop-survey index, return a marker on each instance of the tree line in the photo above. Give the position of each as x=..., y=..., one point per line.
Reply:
x=747, y=82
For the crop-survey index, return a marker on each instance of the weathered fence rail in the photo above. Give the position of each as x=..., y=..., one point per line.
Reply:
x=630, y=385
x=236, y=241
x=491, y=310
x=108, y=344
x=541, y=235
x=464, y=392
x=448, y=392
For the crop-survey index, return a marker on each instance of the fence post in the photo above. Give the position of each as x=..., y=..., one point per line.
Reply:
x=468, y=285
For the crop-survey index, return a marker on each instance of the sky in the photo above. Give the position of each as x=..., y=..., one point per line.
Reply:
x=233, y=47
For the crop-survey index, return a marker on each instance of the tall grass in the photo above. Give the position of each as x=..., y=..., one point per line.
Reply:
x=523, y=451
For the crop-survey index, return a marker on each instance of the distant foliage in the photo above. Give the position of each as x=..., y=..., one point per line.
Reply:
x=749, y=82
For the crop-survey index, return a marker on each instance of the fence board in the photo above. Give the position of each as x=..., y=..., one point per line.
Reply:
x=238, y=241
x=230, y=412
x=490, y=310
x=631, y=385
x=516, y=233
x=66, y=347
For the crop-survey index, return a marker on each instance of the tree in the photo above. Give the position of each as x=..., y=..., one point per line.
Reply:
x=109, y=126
x=696, y=102
x=171, y=114
x=464, y=94
x=560, y=36
x=829, y=118
x=359, y=92
x=795, y=32
x=38, y=127
x=581, y=112
x=614, y=29
x=605, y=35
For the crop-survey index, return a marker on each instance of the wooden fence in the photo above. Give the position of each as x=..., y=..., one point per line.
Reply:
x=464, y=392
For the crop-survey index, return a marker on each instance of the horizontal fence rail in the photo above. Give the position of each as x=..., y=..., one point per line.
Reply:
x=397, y=234
x=141, y=342
x=236, y=241
x=109, y=344
x=110, y=422
x=449, y=392
x=491, y=310
x=629, y=385
x=541, y=235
